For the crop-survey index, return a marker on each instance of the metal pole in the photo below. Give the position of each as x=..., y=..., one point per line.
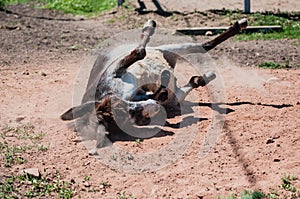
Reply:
x=247, y=6
x=120, y=2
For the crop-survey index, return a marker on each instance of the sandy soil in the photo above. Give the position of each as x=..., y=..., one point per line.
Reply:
x=42, y=51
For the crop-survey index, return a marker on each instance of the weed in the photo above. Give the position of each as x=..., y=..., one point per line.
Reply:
x=32, y=187
x=93, y=189
x=274, y=65
x=86, y=178
x=273, y=195
x=287, y=183
x=252, y=195
x=123, y=195
x=12, y=155
x=42, y=148
x=138, y=141
x=23, y=132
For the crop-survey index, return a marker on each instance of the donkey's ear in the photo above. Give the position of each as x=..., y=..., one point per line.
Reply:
x=79, y=111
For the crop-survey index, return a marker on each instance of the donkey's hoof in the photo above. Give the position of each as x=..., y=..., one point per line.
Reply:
x=209, y=76
x=149, y=27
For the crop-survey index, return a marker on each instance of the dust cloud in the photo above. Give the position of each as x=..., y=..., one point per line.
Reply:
x=234, y=75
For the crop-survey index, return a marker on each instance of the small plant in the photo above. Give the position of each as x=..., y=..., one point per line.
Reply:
x=7, y=188
x=12, y=155
x=113, y=157
x=287, y=183
x=273, y=195
x=3, y=3
x=138, y=141
x=86, y=178
x=123, y=195
x=23, y=132
x=42, y=148
x=253, y=195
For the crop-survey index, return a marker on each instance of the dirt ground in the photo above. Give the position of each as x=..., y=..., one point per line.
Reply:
x=42, y=51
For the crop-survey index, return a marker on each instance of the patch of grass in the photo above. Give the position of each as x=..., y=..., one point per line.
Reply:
x=274, y=65
x=76, y=7
x=286, y=185
x=289, y=25
x=42, y=148
x=81, y=7
x=31, y=186
x=47, y=185
x=253, y=195
x=2, y=4
x=247, y=195
x=11, y=154
x=22, y=132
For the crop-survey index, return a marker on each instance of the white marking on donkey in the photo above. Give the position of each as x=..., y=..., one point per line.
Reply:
x=125, y=94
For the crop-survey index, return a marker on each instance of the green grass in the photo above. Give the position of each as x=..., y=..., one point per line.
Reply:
x=31, y=186
x=287, y=186
x=274, y=65
x=253, y=195
x=289, y=25
x=47, y=185
x=287, y=183
x=11, y=154
x=76, y=7
x=81, y=7
x=246, y=194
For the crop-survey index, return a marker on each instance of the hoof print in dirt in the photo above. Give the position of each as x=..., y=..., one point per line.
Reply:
x=126, y=99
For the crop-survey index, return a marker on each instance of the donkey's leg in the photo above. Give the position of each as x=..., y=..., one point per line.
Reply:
x=139, y=52
x=195, y=82
x=188, y=48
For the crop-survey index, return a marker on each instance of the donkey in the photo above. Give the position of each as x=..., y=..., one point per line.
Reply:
x=131, y=91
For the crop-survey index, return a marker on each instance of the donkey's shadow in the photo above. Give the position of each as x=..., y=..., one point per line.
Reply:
x=185, y=119
x=186, y=108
